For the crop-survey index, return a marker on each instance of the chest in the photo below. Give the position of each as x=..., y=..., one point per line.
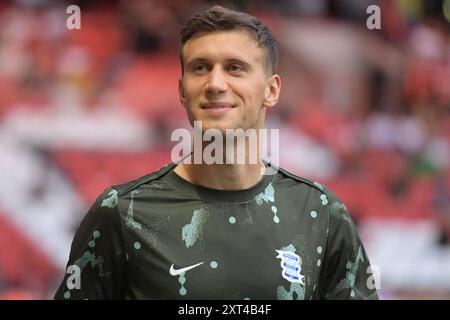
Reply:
x=224, y=251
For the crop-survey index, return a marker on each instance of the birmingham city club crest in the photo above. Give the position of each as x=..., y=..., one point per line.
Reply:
x=290, y=264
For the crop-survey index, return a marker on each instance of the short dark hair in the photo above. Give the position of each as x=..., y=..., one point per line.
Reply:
x=218, y=18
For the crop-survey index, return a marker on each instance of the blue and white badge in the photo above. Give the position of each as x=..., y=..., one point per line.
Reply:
x=290, y=263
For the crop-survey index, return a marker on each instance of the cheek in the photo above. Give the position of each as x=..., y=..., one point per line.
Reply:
x=252, y=92
x=192, y=89
x=256, y=95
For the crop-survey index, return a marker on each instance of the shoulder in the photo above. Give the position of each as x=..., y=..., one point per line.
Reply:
x=327, y=197
x=341, y=228
x=114, y=197
x=126, y=188
x=110, y=197
x=310, y=184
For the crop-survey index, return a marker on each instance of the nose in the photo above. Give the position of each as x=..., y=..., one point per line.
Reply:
x=216, y=81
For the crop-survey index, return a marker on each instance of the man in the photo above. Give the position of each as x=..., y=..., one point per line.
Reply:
x=221, y=230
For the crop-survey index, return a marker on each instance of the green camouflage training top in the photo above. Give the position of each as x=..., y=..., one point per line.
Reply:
x=162, y=237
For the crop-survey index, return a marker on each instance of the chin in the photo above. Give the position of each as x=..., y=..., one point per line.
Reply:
x=219, y=125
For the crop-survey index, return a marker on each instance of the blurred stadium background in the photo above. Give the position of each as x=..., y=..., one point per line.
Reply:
x=365, y=112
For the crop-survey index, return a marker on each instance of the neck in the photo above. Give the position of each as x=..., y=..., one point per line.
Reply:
x=222, y=176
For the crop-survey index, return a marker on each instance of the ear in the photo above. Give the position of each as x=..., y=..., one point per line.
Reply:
x=272, y=92
x=181, y=92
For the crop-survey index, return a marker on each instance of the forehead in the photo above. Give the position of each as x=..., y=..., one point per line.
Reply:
x=236, y=44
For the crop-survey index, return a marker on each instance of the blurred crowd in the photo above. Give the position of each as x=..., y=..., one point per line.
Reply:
x=365, y=112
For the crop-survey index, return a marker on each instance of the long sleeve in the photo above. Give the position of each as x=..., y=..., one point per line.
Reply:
x=346, y=273
x=96, y=266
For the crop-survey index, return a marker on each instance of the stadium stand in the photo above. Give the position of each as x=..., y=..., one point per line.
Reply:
x=366, y=113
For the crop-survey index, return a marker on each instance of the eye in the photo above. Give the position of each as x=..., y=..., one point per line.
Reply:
x=235, y=68
x=199, y=68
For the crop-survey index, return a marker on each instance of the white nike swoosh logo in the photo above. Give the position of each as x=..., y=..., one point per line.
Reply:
x=175, y=272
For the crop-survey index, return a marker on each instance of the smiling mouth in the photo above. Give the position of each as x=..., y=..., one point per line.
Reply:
x=217, y=106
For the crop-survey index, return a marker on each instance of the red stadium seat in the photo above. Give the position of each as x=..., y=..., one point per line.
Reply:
x=22, y=263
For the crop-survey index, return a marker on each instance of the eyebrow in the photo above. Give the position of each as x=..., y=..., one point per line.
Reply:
x=246, y=65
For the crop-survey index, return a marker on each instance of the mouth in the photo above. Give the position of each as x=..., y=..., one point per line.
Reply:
x=217, y=105
x=217, y=108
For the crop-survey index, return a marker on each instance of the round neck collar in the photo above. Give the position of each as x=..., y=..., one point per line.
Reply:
x=207, y=193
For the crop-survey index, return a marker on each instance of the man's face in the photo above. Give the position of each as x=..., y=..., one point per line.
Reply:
x=226, y=83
